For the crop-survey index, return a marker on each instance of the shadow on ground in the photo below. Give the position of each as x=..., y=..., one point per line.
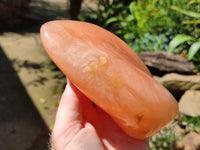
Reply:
x=21, y=125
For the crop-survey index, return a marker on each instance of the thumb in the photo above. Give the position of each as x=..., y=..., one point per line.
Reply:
x=68, y=119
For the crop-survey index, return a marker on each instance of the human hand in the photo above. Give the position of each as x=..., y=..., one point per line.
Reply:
x=82, y=125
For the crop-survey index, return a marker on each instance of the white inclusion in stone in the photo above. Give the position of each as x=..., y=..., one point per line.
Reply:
x=46, y=34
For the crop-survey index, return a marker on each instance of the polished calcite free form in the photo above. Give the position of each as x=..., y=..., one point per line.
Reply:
x=111, y=75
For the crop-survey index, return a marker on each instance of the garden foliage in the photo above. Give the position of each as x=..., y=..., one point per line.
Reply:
x=156, y=25
x=150, y=25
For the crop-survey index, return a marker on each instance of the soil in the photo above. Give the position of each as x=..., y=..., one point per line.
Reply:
x=30, y=84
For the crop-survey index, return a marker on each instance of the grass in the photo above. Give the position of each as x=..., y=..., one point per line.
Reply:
x=171, y=137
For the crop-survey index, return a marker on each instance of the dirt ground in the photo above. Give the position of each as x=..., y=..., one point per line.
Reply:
x=30, y=84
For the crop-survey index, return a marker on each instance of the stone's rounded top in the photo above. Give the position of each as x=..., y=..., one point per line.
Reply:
x=89, y=34
x=111, y=75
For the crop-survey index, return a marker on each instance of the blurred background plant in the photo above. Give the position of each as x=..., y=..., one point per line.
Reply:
x=191, y=42
x=157, y=25
x=171, y=137
x=150, y=25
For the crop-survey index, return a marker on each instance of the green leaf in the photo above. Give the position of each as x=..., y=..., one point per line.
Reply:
x=120, y=7
x=191, y=21
x=186, y=12
x=177, y=40
x=193, y=2
x=111, y=20
x=131, y=6
x=129, y=18
x=195, y=47
x=108, y=13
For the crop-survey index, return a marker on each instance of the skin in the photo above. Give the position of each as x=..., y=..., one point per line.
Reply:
x=80, y=124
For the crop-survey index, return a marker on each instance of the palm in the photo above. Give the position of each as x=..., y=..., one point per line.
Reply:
x=82, y=125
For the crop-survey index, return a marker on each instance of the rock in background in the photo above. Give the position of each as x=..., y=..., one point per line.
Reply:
x=186, y=89
x=160, y=63
x=178, y=75
x=190, y=103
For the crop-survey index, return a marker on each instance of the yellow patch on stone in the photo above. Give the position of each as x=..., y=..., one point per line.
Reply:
x=102, y=60
x=115, y=81
x=92, y=67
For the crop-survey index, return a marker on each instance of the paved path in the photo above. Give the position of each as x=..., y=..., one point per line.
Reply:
x=30, y=85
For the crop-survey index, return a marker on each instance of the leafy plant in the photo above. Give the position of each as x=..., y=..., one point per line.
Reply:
x=145, y=24
x=193, y=40
x=186, y=12
x=105, y=13
x=132, y=19
x=156, y=25
x=168, y=138
x=189, y=123
x=189, y=13
x=150, y=42
x=142, y=17
x=180, y=39
x=141, y=11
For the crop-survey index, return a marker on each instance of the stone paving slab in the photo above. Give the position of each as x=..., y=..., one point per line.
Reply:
x=20, y=122
x=33, y=68
x=30, y=85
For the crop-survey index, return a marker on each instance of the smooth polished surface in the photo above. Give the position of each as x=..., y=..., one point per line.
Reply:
x=111, y=75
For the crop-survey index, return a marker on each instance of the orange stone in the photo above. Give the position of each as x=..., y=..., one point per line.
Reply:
x=111, y=75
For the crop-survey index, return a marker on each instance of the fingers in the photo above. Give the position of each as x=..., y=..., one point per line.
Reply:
x=87, y=139
x=75, y=110
x=68, y=119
